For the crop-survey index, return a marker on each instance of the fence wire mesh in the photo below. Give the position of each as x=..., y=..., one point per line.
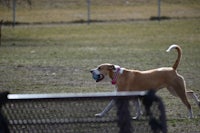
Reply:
x=80, y=11
x=76, y=114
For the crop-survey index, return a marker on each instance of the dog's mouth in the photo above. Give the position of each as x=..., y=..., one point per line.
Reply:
x=100, y=77
x=97, y=77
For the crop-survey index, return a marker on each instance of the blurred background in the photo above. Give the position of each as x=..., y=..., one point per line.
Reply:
x=78, y=11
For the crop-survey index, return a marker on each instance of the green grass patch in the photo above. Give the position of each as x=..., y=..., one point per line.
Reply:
x=139, y=45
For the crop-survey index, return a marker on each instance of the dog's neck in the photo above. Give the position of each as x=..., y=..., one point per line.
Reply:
x=115, y=74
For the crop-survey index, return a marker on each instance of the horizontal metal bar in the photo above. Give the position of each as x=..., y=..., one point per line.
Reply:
x=75, y=95
x=61, y=121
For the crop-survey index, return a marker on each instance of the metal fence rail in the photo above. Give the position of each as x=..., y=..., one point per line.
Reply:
x=75, y=113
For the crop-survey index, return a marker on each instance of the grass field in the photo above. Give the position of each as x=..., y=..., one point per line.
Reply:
x=58, y=58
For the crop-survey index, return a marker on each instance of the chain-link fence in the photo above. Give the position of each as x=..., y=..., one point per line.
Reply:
x=75, y=113
x=80, y=11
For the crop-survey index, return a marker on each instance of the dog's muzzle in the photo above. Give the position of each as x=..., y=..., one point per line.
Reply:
x=97, y=77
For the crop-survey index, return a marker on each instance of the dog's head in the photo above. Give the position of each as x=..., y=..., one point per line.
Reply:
x=102, y=71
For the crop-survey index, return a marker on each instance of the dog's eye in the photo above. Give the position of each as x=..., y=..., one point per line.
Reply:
x=99, y=68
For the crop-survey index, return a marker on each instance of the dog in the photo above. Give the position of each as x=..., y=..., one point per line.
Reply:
x=135, y=80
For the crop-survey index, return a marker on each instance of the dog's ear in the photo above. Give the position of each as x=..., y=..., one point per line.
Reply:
x=111, y=67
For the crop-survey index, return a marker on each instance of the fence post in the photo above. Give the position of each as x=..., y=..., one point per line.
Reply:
x=123, y=115
x=14, y=12
x=88, y=11
x=1, y=23
x=159, y=9
x=3, y=120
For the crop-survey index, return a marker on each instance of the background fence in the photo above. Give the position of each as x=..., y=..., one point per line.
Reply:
x=73, y=11
x=74, y=113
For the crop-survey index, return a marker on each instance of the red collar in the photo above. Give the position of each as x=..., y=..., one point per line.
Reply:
x=114, y=80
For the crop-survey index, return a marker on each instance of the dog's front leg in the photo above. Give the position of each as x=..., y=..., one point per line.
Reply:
x=139, y=112
x=107, y=109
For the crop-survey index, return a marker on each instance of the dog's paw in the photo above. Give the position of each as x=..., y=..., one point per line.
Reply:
x=135, y=118
x=98, y=115
x=190, y=117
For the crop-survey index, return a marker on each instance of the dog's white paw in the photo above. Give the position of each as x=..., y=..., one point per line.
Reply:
x=98, y=115
x=190, y=116
x=135, y=118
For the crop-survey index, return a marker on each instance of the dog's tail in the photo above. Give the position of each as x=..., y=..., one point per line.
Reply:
x=178, y=48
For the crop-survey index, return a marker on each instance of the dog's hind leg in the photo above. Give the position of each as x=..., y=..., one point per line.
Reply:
x=191, y=94
x=180, y=89
x=182, y=95
x=186, y=102
x=107, y=109
x=177, y=87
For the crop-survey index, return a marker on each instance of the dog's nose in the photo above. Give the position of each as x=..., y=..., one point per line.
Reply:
x=91, y=71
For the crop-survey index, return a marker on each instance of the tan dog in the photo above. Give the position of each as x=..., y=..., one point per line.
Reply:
x=135, y=80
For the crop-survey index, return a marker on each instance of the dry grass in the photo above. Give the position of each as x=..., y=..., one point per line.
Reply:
x=68, y=11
